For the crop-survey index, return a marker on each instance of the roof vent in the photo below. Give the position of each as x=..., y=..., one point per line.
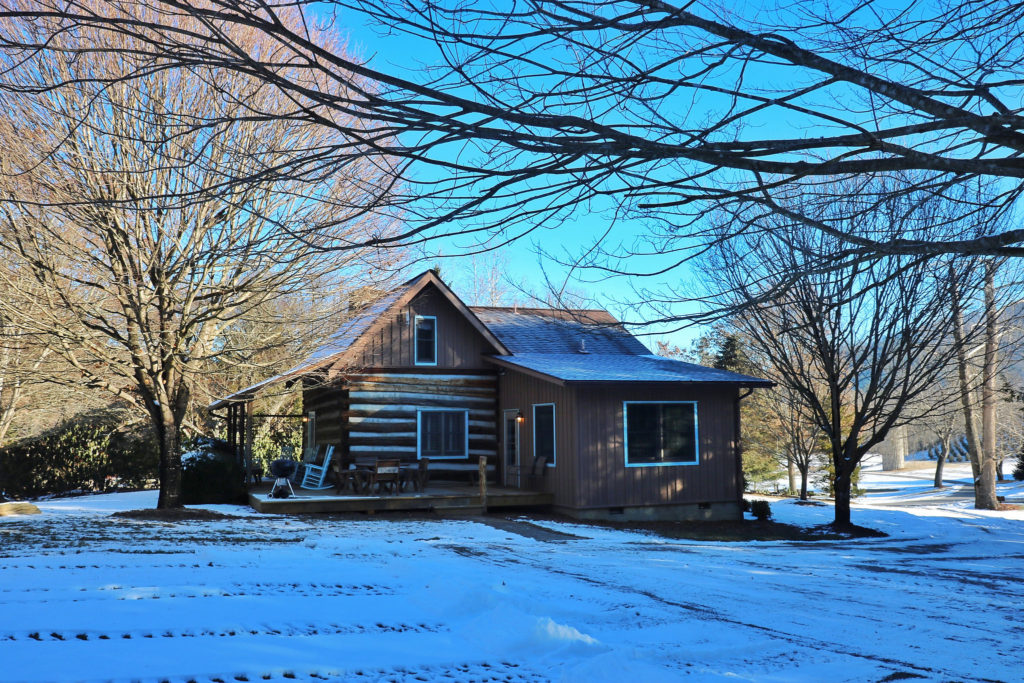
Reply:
x=583, y=346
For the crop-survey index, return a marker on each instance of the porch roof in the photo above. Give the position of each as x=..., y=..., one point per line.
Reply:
x=617, y=367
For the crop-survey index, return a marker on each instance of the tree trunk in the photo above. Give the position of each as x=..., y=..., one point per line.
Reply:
x=966, y=400
x=842, y=487
x=940, y=462
x=803, y=482
x=791, y=471
x=985, y=485
x=169, y=440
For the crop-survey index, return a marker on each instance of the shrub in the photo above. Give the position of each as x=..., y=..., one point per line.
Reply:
x=746, y=505
x=93, y=452
x=210, y=473
x=1018, y=470
x=761, y=509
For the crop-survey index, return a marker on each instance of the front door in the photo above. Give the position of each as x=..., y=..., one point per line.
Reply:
x=511, y=448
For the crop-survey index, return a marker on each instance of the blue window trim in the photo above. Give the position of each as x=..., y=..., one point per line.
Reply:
x=419, y=433
x=554, y=433
x=625, y=436
x=416, y=341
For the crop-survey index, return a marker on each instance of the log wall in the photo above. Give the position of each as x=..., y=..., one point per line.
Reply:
x=382, y=406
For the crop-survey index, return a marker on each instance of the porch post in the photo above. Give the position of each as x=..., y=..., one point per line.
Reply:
x=247, y=444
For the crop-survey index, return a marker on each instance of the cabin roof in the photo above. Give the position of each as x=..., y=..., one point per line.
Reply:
x=618, y=367
x=583, y=345
x=542, y=330
x=353, y=330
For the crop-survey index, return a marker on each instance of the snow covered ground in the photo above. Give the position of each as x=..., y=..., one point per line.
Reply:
x=84, y=596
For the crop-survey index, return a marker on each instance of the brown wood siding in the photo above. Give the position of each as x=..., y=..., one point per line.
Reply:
x=604, y=479
x=381, y=418
x=459, y=345
x=519, y=391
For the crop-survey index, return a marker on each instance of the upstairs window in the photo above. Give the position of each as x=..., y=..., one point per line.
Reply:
x=660, y=434
x=426, y=340
x=442, y=433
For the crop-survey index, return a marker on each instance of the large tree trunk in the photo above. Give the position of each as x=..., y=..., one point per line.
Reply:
x=169, y=440
x=803, y=482
x=168, y=416
x=985, y=484
x=843, y=496
x=842, y=485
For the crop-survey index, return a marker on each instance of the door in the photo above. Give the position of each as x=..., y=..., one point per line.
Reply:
x=511, y=449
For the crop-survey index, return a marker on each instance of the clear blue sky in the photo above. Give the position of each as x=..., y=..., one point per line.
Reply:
x=406, y=56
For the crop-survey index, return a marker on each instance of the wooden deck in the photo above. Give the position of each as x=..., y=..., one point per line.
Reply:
x=440, y=498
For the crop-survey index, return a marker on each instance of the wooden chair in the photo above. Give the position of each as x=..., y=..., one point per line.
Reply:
x=314, y=476
x=423, y=475
x=310, y=456
x=386, y=475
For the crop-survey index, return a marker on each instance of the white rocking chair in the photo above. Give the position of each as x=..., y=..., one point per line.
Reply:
x=314, y=475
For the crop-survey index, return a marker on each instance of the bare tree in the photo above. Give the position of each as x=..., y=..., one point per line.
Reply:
x=858, y=344
x=646, y=109
x=129, y=218
x=805, y=440
x=20, y=361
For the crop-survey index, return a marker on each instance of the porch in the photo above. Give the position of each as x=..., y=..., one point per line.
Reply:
x=440, y=497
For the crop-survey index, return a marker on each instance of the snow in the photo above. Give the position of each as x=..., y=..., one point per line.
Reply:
x=89, y=597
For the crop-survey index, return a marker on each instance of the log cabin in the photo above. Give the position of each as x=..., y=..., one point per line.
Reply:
x=564, y=402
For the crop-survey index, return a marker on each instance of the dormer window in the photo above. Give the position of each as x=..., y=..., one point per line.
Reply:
x=426, y=340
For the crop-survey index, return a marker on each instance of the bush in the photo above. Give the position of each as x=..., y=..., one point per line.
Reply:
x=1018, y=470
x=93, y=452
x=761, y=509
x=210, y=473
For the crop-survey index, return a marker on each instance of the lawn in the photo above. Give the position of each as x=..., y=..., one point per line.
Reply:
x=88, y=596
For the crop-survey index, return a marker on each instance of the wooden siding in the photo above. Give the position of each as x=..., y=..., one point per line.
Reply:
x=605, y=481
x=518, y=391
x=459, y=345
x=381, y=413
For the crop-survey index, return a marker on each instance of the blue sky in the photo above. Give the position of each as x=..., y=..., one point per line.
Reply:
x=405, y=56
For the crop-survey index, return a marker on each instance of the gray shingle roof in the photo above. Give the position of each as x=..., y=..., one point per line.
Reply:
x=596, y=367
x=349, y=332
x=531, y=330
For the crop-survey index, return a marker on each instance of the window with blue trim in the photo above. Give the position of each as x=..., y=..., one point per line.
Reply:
x=426, y=340
x=661, y=433
x=442, y=434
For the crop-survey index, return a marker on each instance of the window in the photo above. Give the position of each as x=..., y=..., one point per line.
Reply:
x=442, y=433
x=660, y=433
x=544, y=433
x=426, y=340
